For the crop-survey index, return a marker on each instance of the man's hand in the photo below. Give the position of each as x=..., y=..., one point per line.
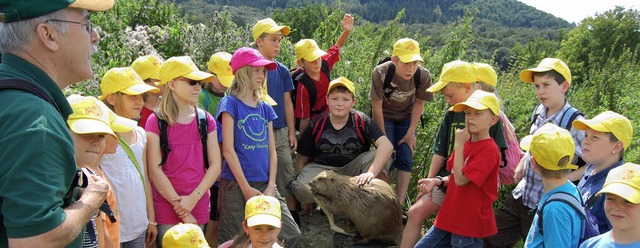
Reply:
x=97, y=187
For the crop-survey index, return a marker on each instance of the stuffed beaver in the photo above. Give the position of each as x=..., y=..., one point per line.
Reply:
x=373, y=207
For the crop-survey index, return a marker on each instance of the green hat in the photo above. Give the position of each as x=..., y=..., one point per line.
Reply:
x=12, y=10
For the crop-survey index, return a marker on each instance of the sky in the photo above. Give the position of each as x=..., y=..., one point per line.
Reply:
x=577, y=10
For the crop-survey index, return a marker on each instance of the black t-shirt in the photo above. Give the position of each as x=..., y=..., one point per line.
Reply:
x=337, y=147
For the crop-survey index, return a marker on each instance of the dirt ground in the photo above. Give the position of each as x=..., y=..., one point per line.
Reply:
x=316, y=233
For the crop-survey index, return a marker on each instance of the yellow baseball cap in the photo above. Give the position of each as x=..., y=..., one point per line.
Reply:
x=147, y=66
x=182, y=66
x=456, y=71
x=125, y=80
x=263, y=210
x=547, y=64
x=485, y=73
x=91, y=115
x=184, y=236
x=480, y=100
x=623, y=181
x=342, y=81
x=268, y=26
x=609, y=122
x=548, y=145
x=407, y=50
x=219, y=65
x=308, y=50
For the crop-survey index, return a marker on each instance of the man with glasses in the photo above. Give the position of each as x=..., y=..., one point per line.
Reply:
x=46, y=46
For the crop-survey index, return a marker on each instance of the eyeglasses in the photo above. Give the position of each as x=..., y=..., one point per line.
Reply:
x=87, y=26
x=194, y=82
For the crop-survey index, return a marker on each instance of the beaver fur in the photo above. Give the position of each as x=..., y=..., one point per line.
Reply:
x=373, y=207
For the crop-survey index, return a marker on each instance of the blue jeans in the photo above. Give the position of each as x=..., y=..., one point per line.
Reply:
x=439, y=238
x=396, y=130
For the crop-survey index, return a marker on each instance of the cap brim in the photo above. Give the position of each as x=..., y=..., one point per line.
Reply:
x=155, y=76
x=269, y=100
x=407, y=58
x=138, y=89
x=623, y=190
x=264, y=219
x=527, y=75
x=525, y=143
x=437, y=87
x=340, y=84
x=593, y=124
x=86, y=126
x=121, y=124
x=200, y=76
x=92, y=5
x=270, y=65
x=282, y=29
x=315, y=55
x=225, y=80
x=459, y=107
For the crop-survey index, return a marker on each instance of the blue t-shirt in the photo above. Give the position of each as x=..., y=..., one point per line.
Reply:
x=562, y=224
x=278, y=82
x=251, y=137
x=589, y=185
x=604, y=241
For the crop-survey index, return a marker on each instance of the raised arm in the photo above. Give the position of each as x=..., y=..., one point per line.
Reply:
x=347, y=28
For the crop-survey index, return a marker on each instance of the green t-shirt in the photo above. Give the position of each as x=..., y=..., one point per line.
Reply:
x=36, y=150
x=209, y=101
x=445, y=142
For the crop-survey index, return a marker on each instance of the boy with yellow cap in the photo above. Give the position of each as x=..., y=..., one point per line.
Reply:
x=607, y=136
x=466, y=215
x=552, y=79
x=148, y=67
x=622, y=205
x=350, y=134
x=457, y=83
x=397, y=105
x=316, y=65
x=551, y=149
x=89, y=123
x=267, y=36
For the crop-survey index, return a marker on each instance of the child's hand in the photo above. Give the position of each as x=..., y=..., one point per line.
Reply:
x=270, y=191
x=426, y=185
x=462, y=136
x=347, y=22
x=184, y=206
x=250, y=192
x=364, y=178
x=189, y=219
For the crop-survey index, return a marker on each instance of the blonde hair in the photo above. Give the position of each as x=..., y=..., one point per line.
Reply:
x=168, y=108
x=241, y=84
x=118, y=108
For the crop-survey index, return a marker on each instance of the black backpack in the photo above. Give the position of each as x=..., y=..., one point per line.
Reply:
x=298, y=75
x=202, y=129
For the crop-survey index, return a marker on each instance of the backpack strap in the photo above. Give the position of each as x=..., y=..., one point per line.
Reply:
x=24, y=85
x=308, y=83
x=391, y=71
x=565, y=197
x=448, y=120
x=127, y=149
x=569, y=116
x=203, y=126
x=361, y=127
x=318, y=127
x=206, y=99
x=164, y=139
x=536, y=113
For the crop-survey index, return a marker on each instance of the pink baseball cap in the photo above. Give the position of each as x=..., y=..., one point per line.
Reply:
x=249, y=56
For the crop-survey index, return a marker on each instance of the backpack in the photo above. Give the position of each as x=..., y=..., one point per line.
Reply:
x=589, y=227
x=357, y=119
x=202, y=129
x=298, y=75
x=512, y=155
x=566, y=120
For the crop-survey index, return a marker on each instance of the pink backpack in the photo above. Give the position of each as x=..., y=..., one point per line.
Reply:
x=512, y=155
